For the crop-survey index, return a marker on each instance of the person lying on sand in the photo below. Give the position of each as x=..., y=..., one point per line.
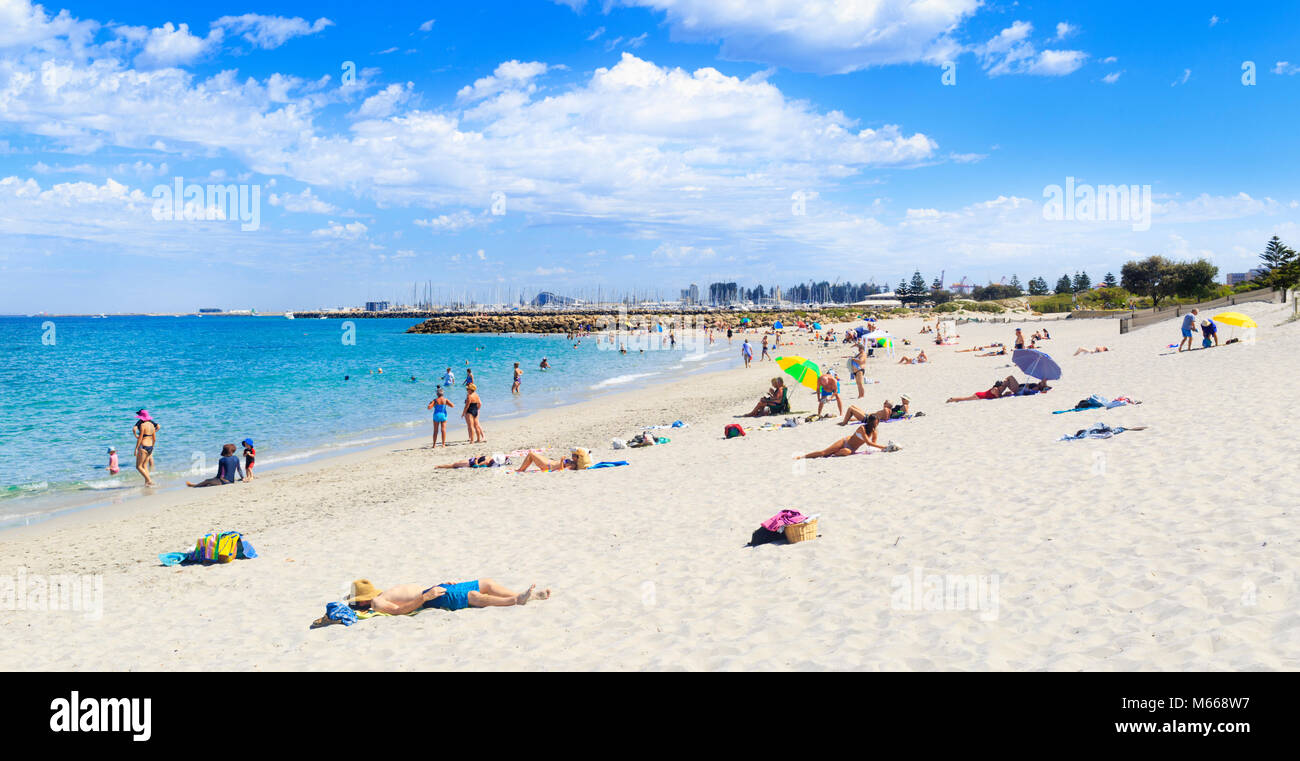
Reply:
x=920, y=358
x=886, y=412
x=1097, y=350
x=865, y=434
x=994, y=345
x=407, y=598
x=772, y=402
x=482, y=461
x=999, y=353
x=996, y=391
x=578, y=459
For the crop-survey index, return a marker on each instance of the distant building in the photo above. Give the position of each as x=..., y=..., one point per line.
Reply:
x=1235, y=278
x=210, y=310
x=376, y=306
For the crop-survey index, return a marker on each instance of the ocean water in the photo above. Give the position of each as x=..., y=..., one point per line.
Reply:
x=70, y=386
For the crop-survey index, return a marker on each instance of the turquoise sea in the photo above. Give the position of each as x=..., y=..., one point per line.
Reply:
x=71, y=387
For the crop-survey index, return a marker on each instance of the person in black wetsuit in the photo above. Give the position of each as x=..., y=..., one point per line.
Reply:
x=228, y=469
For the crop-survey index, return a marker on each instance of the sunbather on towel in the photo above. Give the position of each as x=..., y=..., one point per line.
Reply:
x=573, y=462
x=1006, y=387
x=920, y=359
x=407, y=598
x=482, y=461
x=866, y=434
x=886, y=412
x=1086, y=350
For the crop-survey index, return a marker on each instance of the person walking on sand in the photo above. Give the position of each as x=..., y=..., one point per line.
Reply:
x=440, y=405
x=250, y=459
x=1020, y=339
x=146, y=438
x=1189, y=327
x=472, y=405
x=764, y=355
x=519, y=378
x=449, y=596
x=747, y=352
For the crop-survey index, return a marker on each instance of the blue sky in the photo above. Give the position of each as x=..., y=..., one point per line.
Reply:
x=499, y=147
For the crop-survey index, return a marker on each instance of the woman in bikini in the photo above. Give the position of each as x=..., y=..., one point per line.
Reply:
x=146, y=437
x=472, y=406
x=519, y=377
x=865, y=434
x=548, y=466
x=440, y=405
x=1007, y=387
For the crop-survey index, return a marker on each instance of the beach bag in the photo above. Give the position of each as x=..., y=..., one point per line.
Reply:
x=733, y=430
x=618, y=443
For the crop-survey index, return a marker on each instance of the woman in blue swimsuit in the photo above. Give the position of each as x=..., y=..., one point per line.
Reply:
x=440, y=405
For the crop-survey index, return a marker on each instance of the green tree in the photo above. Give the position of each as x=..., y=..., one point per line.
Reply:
x=1015, y=284
x=1195, y=279
x=1109, y=281
x=1152, y=277
x=937, y=285
x=1037, y=286
x=917, y=288
x=1082, y=283
x=1064, y=285
x=1282, y=264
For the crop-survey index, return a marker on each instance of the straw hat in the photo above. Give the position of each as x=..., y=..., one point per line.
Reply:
x=362, y=591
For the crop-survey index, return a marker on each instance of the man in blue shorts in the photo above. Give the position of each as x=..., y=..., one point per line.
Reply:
x=406, y=598
x=1189, y=327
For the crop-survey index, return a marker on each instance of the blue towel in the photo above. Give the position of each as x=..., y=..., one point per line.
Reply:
x=340, y=612
x=608, y=464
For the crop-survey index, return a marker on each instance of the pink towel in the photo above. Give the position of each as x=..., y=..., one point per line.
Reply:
x=782, y=519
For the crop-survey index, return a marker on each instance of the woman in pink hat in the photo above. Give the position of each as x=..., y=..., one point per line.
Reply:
x=146, y=437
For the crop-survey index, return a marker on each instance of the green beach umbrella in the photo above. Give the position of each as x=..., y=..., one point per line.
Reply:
x=804, y=371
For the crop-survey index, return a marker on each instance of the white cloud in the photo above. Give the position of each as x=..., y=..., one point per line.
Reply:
x=599, y=31
x=1214, y=20
x=350, y=231
x=511, y=75
x=1112, y=77
x=548, y=271
x=822, y=36
x=1013, y=52
x=1110, y=59
x=1187, y=74
x=270, y=32
x=1286, y=68
x=1065, y=29
x=427, y=26
x=302, y=202
x=453, y=223
x=171, y=45
x=384, y=102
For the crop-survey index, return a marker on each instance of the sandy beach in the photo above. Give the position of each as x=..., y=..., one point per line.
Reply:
x=1169, y=548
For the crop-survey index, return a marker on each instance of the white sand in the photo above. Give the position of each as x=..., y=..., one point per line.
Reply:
x=1171, y=548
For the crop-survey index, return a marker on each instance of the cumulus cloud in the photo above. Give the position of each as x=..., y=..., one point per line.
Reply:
x=170, y=45
x=1286, y=68
x=822, y=36
x=305, y=201
x=511, y=75
x=1112, y=77
x=1013, y=51
x=269, y=32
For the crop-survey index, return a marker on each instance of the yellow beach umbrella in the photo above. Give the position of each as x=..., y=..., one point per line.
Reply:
x=804, y=371
x=1235, y=319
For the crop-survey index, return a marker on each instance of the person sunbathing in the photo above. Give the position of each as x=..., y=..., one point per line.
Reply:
x=1097, y=350
x=999, y=353
x=886, y=412
x=920, y=359
x=550, y=466
x=773, y=403
x=408, y=598
x=1001, y=388
x=482, y=461
x=865, y=434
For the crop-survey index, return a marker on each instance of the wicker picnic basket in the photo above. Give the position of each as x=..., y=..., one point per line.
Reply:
x=801, y=532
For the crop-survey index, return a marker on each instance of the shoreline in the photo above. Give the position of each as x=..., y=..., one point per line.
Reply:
x=75, y=501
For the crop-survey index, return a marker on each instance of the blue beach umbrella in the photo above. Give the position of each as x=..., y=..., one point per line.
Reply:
x=1036, y=364
x=778, y=325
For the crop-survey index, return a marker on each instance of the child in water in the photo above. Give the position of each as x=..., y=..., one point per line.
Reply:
x=250, y=456
x=112, y=461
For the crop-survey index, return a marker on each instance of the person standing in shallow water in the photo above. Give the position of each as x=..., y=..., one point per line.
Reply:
x=440, y=405
x=146, y=437
x=519, y=378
